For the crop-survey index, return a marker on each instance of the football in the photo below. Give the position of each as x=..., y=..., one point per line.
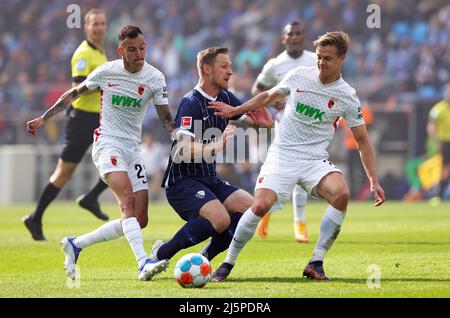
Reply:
x=193, y=271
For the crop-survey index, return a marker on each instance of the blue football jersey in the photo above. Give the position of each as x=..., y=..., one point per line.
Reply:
x=193, y=119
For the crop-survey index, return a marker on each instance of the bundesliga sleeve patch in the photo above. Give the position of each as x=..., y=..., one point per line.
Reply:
x=186, y=122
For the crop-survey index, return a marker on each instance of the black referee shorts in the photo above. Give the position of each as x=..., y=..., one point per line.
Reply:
x=446, y=152
x=79, y=134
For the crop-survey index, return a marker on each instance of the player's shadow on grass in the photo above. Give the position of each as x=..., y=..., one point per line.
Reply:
x=398, y=280
x=350, y=280
x=394, y=243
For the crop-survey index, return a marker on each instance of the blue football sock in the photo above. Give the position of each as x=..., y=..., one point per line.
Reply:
x=193, y=232
x=221, y=241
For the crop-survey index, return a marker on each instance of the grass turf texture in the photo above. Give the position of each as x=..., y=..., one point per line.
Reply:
x=410, y=242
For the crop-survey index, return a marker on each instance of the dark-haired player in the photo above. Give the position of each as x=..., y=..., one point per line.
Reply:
x=127, y=86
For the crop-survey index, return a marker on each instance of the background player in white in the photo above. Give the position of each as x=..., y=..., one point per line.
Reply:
x=317, y=98
x=127, y=86
x=273, y=72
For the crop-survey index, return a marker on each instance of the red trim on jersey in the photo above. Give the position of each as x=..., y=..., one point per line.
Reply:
x=336, y=122
x=96, y=134
x=97, y=131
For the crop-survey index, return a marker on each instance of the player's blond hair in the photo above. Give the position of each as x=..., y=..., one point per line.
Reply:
x=208, y=56
x=339, y=39
x=91, y=12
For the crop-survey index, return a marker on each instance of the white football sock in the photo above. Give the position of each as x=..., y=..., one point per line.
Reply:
x=107, y=232
x=299, y=197
x=329, y=230
x=133, y=233
x=244, y=232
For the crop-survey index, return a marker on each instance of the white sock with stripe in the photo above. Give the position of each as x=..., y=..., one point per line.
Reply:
x=329, y=230
x=244, y=232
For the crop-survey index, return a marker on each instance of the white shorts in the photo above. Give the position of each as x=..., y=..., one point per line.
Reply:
x=282, y=176
x=111, y=156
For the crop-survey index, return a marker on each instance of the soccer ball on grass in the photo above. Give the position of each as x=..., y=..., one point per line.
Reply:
x=193, y=271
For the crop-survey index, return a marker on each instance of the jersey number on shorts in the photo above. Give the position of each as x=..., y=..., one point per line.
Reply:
x=139, y=173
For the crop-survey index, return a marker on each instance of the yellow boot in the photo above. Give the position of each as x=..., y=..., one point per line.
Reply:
x=263, y=226
x=301, y=232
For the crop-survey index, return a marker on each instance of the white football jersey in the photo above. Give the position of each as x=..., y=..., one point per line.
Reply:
x=312, y=113
x=275, y=69
x=125, y=97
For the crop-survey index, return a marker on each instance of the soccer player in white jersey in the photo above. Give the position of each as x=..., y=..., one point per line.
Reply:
x=273, y=72
x=316, y=98
x=126, y=86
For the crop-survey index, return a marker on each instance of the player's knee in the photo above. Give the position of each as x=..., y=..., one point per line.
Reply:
x=260, y=207
x=342, y=196
x=221, y=222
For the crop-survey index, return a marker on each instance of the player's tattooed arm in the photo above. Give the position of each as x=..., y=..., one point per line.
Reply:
x=166, y=118
x=65, y=100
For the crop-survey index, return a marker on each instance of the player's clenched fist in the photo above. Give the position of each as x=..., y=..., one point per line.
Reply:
x=32, y=125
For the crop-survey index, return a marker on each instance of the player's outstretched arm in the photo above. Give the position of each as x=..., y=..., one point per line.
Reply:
x=259, y=118
x=261, y=100
x=62, y=103
x=368, y=160
x=166, y=118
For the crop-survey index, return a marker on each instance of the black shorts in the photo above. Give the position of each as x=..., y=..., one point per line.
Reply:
x=79, y=134
x=446, y=152
x=189, y=195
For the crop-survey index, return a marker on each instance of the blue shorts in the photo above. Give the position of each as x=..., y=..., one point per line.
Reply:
x=189, y=195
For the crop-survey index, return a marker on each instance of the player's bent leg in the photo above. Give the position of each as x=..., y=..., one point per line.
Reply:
x=120, y=185
x=263, y=201
x=238, y=201
x=334, y=189
x=299, y=198
x=216, y=213
x=212, y=218
x=263, y=225
x=221, y=241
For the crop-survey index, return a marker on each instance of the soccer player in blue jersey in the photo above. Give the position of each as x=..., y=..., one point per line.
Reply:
x=210, y=206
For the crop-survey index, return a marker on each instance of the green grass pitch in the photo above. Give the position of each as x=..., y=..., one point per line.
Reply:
x=407, y=244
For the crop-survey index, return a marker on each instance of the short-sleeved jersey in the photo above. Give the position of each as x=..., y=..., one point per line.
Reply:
x=196, y=120
x=311, y=115
x=125, y=97
x=85, y=60
x=440, y=113
x=275, y=69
